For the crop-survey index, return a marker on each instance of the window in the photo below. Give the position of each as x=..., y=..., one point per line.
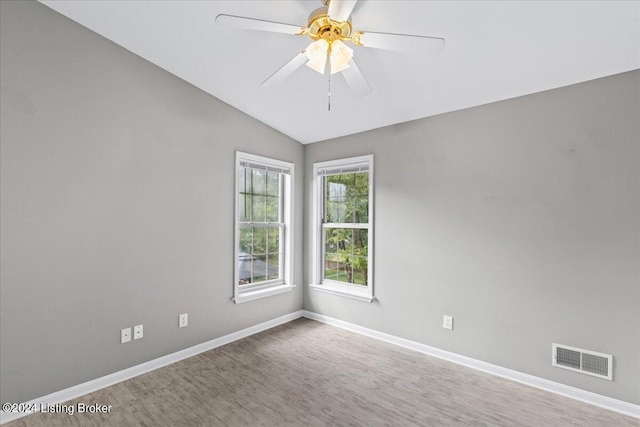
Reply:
x=263, y=235
x=343, y=227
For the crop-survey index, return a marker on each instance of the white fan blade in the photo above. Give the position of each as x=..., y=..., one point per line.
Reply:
x=243, y=23
x=432, y=46
x=356, y=80
x=286, y=70
x=339, y=10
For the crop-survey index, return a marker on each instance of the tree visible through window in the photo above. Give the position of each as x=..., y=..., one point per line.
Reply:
x=345, y=227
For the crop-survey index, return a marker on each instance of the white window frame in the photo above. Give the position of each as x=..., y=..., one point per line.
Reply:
x=285, y=283
x=358, y=292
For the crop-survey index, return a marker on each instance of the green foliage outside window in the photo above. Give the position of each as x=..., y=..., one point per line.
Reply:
x=346, y=248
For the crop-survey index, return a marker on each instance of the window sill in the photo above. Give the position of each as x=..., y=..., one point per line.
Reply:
x=344, y=292
x=262, y=293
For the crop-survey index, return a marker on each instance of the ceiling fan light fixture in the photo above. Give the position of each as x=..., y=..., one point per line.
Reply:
x=341, y=55
x=317, y=54
x=329, y=27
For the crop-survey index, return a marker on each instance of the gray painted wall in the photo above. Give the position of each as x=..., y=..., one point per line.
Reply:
x=520, y=218
x=116, y=186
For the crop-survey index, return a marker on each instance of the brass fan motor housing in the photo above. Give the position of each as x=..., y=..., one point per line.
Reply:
x=322, y=27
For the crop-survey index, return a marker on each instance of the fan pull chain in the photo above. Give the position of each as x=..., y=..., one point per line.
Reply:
x=329, y=94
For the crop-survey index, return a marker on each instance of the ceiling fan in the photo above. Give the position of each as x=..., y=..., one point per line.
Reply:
x=330, y=27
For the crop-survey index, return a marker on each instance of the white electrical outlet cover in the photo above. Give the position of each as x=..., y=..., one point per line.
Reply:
x=138, y=332
x=447, y=322
x=125, y=335
x=183, y=320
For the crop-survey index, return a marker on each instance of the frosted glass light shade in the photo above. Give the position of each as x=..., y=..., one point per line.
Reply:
x=317, y=54
x=341, y=55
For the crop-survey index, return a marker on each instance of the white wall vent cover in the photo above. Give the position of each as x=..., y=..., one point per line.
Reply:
x=585, y=361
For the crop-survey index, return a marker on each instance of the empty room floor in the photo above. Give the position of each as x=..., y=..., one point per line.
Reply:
x=308, y=373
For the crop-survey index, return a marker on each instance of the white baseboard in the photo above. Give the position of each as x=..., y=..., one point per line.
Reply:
x=605, y=402
x=108, y=380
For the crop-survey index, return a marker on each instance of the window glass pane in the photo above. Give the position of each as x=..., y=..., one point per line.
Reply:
x=247, y=180
x=360, y=257
x=273, y=184
x=330, y=241
x=259, y=241
x=273, y=240
x=331, y=213
x=347, y=198
x=242, y=207
x=259, y=195
x=273, y=209
x=242, y=171
x=345, y=265
x=259, y=181
x=335, y=198
x=360, y=209
x=259, y=268
x=246, y=240
x=360, y=270
x=346, y=255
x=339, y=254
x=258, y=208
x=336, y=187
x=244, y=201
x=361, y=184
x=255, y=264
x=331, y=266
x=244, y=268
x=345, y=240
x=336, y=211
x=273, y=266
x=361, y=242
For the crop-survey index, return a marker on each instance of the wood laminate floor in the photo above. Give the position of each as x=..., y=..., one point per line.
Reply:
x=308, y=373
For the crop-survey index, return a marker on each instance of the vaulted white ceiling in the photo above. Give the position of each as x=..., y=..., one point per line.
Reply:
x=494, y=50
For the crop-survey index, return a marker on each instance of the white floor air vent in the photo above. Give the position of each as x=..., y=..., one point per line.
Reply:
x=585, y=361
